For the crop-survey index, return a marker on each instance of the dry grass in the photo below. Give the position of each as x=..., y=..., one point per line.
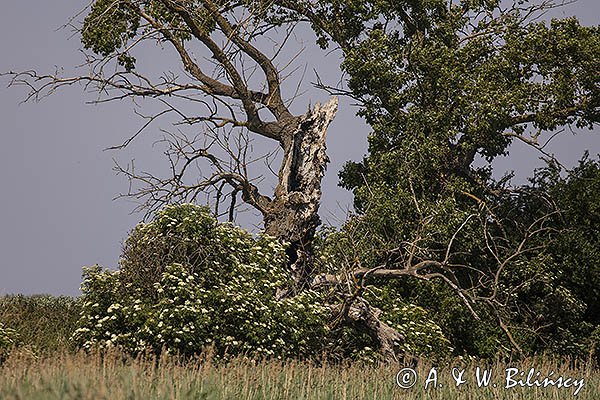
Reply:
x=114, y=376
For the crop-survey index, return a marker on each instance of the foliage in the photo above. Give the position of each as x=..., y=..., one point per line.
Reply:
x=8, y=340
x=432, y=318
x=467, y=83
x=423, y=335
x=577, y=249
x=187, y=282
x=550, y=292
x=463, y=83
x=44, y=323
x=593, y=347
x=443, y=85
x=572, y=257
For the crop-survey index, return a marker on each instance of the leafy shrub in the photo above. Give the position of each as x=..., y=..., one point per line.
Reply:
x=8, y=340
x=44, y=322
x=186, y=282
x=422, y=332
x=423, y=337
x=594, y=346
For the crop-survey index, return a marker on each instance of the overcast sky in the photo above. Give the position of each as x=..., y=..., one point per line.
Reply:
x=57, y=183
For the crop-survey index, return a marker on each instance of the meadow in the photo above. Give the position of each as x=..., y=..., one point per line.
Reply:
x=113, y=376
x=45, y=366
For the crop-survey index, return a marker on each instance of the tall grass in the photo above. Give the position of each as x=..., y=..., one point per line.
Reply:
x=114, y=376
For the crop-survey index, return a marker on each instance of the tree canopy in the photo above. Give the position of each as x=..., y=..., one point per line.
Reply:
x=446, y=87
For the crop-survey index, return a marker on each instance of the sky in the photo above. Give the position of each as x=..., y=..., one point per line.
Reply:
x=57, y=207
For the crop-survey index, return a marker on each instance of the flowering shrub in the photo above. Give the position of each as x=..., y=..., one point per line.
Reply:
x=186, y=282
x=423, y=335
x=8, y=339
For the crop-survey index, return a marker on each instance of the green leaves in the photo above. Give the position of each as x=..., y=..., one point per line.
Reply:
x=109, y=26
x=442, y=86
x=437, y=99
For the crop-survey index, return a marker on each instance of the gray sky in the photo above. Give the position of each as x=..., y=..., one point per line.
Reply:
x=56, y=207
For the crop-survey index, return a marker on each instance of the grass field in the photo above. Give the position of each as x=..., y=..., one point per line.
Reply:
x=81, y=376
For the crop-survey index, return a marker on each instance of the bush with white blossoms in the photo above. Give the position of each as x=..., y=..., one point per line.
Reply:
x=186, y=282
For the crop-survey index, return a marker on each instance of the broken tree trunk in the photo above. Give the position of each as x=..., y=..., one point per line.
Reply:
x=292, y=215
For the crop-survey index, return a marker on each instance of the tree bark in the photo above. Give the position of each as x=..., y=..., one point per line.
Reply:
x=292, y=216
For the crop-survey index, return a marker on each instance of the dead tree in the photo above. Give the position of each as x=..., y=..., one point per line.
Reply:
x=235, y=101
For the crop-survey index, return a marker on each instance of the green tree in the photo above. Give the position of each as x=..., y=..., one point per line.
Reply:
x=443, y=84
x=231, y=92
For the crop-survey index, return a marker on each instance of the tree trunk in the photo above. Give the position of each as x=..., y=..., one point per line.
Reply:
x=292, y=215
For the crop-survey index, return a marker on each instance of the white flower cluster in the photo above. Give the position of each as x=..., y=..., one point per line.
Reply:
x=423, y=336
